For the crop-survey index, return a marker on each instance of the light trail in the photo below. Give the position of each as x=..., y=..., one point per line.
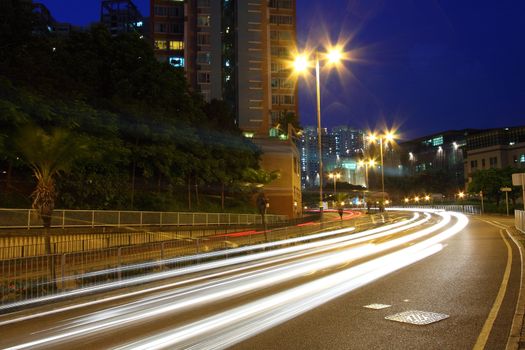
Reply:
x=250, y=319
x=307, y=249
x=223, y=263
x=239, y=286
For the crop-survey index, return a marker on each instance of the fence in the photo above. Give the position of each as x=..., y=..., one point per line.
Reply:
x=32, y=277
x=519, y=220
x=28, y=218
x=466, y=209
x=26, y=246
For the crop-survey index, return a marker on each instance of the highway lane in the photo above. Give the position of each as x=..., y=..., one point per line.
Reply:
x=462, y=281
x=255, y=294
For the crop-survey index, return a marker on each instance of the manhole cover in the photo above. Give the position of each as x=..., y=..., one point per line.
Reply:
x=377, y=306
x=417, y=317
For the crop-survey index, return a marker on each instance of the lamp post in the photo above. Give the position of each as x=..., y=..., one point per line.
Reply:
x=381, y=139
x=335, y=176
x=334, y=56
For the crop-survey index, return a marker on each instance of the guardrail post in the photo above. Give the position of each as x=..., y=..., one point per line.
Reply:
x=140, y=219
x=92, y=218
x=178, y=219
x=63, y=219
x=193, y=219
x=118, y=218
x=160, y=219
x=119, y=256
x=229, y=218
x=28, y=219
x=63, y=270
x=207, y=220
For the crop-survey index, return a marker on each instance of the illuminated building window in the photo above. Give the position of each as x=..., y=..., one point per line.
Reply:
x=161, y=45
x=176, y=61
x=176, y=45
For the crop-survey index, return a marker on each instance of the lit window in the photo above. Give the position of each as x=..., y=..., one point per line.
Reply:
x=161, y=45
x=176, y=45
x=177, y=62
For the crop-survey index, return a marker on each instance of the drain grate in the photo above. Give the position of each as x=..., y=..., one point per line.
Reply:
x=417, y=317
x=377, y=306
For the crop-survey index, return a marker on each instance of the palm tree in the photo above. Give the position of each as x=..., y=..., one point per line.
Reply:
x=48, y=155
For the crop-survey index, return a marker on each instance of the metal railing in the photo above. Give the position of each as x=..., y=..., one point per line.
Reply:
x=466, y=209
x=26, y=246
x=62, y=218
x=32, y=277
x=519, y=220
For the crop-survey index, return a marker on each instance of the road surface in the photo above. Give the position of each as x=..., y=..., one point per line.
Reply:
x=306, y=295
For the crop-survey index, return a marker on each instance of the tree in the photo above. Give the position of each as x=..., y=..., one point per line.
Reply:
x=491, y=180
x=48, y=155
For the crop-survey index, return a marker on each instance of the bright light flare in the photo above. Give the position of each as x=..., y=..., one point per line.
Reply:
x=300, y=63
x=335, y=55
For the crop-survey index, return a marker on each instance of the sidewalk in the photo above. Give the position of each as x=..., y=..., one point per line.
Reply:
x=516, y=339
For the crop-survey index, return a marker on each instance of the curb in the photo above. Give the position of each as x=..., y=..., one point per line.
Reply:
x=516, y=339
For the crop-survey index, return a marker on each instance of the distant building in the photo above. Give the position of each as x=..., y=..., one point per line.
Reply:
x=45, y=24
x=121, y=16
x=341, y=147
x=442, y=151
x=495, y=148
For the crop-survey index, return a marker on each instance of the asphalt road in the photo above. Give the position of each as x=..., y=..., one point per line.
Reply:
x=461, y=281
x=305, y=297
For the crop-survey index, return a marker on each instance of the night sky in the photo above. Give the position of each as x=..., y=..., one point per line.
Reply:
x=422, y=65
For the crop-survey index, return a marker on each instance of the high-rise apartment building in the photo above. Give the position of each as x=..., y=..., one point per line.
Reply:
x=240, y=52
x=167, y=30
x=282, y=28
x=341, y=147
x=234, y=50
x=121, y=16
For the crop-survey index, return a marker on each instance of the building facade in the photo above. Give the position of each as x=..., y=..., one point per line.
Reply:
x=443, y=151
x=121, y=16
x=167, y=31
x=341, y=147
x=495, y=148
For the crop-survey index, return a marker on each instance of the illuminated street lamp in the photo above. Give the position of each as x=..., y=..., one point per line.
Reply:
x=416, y=199
x=301, y=64
x=366, y=164
x=407, y=200
x=335, y=176
x=461, y=195
x=427, y=198
x=387, y=137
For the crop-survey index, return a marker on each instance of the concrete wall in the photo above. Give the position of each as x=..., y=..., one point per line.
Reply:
x=284, y=193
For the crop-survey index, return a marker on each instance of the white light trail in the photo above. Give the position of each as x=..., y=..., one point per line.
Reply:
x=236, y=286
x=253, y=318
x=222, y=263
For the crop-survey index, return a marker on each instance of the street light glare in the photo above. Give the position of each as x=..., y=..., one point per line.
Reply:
x=389, y=136
x=372, y=162
x=372, y=137
x=334, y=55
x=300, y=63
